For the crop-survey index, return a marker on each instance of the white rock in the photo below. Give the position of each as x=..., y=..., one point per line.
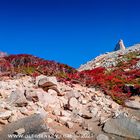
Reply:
x=77, y=119
x=2, y=104
x=114, y=106
x=63, y=120
x=52, y=92
x=47, y=99
x=65, y=113
x=17, y=98
x=25, y=111
x=63, y=101
x=87, y=126
x=31, y=95
x=5, y=115
x=84, y=101
x=13, y=118
x=4, y=93
x=19, y=131
x=49, y=120
x=97, y=64
x=61, y=93
x=39, y=104
x=39, y=78
x=85, y=114
x=4, y=122
x=103, y=119
x=94, y=111
x=73, y=103
x=73, y=93
x=95, y=98
x=69, y=124
x=41, y=111
x=56, y=112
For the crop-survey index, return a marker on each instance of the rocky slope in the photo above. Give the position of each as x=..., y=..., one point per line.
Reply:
x=59, y=111
x=42, y=99
x=116, y=73
x=111, y=59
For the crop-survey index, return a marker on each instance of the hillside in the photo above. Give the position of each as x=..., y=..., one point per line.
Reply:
x=33, y=66
x=41, y=99
x=112, y=59
x=117, y=73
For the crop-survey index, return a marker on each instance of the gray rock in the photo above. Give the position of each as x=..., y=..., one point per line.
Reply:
x=45, y=81
x=102, y=137
x=17, y=98
x=123, y=126
x=133, y=104
x=33, y=125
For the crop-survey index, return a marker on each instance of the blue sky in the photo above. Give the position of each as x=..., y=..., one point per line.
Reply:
x=67, y=31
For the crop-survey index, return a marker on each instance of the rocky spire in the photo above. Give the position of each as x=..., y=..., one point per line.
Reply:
x=119, y=45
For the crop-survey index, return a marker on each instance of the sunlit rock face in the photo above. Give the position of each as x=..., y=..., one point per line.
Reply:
x=119, y=45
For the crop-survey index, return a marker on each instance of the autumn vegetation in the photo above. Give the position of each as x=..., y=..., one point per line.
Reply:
x=119, y=82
